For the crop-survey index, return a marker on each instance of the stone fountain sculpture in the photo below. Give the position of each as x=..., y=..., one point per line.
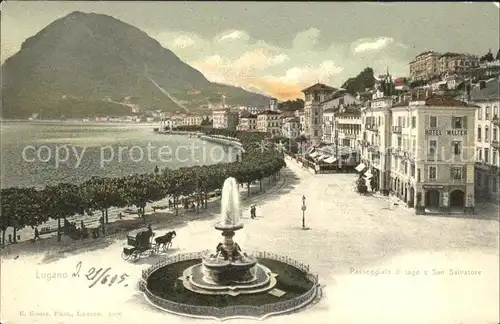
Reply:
x=229, y=270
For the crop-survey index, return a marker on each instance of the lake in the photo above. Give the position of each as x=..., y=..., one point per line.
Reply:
x=41, y=153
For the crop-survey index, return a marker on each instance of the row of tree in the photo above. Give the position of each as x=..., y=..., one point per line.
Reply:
x=27, y=206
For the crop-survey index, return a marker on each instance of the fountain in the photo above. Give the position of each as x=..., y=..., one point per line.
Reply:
x=227, y=282
x=229, y=270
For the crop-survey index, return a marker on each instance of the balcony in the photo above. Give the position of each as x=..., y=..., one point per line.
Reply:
x=495, y=145
x=372, y=127
x=397, y=129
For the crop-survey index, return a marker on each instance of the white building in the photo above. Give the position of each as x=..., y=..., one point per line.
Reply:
x=486, y=95
x=291, y=128
x=315, y=95
x=269, y=122
x=329, y=125
x=224, y=118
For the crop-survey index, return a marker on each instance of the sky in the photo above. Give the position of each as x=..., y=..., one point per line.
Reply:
x=279, y=48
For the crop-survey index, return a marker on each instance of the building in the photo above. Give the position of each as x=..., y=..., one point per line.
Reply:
x=291, y=128
x=348, y=122
x=425, y=66
x=302, y=120
x=192, y=120
x=433, y=148
x=452, y=63
x=247, y=122
x=224, y=118
x=339, y=98
x=375, y=141
x=328, y=133
x=486, y=95
x=250, y=109
x=269, y=121
x=313, y=110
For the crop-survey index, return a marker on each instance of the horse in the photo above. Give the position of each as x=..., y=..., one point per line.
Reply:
x=165, y=241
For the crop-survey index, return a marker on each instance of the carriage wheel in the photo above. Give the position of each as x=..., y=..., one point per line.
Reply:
x=166, y=246
x=125, y=256
x=135, y=256
x=153, y=250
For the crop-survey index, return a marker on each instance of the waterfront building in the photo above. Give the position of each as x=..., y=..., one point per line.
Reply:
x=433, y=148
x=224, y=118
x=452, y=63
x=269, y=121
x=247, y=122
x=192, y=120
x=486, y=95
x=315, y=95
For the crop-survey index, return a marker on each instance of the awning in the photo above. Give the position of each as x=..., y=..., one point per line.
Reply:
x=321, y=157
x=311, y=150
x=360, y=167
x=368, y=175
x=331, y=159
x=314, y=154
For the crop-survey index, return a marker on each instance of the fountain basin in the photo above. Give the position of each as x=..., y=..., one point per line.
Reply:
x=221, y=226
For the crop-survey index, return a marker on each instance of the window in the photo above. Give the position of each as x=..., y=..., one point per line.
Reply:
x=399, y=141
x=458, y=122
x=486, y=155
x=456, y=173
x=406, y=167
x=413, y=122
x=487, y=112
x=433, y=121
x=494, y=184
x=432, y=148
x=479, y=134
x=479, y=154
x=495, y=131
x=315, y=133
x=486, y=134
x=457, y=147
x=432, y=172
x=494, y=158
x=414, y=146
x=412, y=170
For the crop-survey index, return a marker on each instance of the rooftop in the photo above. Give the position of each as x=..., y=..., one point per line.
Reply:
x=319, y=87
x=269, y=112
x=246, y=114
x=492, y=90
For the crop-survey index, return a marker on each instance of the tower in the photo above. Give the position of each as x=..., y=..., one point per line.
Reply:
x=273, y=104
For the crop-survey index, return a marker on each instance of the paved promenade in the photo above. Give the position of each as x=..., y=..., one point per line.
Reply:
x=377, y=265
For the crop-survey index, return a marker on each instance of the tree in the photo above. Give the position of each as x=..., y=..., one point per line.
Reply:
x=365, y=79
x=102, y=194
x=62, y=201
x=140, y=189
x=498, y=55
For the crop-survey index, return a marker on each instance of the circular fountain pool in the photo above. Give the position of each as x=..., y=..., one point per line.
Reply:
x=293, y=288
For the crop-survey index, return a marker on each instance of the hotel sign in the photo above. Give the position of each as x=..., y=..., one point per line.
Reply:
x=453, y=132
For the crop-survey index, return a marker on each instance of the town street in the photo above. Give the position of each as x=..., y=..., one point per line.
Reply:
x=377, y=263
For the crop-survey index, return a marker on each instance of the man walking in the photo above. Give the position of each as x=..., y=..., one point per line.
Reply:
x=37, y=234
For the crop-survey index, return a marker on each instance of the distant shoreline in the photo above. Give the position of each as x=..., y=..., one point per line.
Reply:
x=76, y=121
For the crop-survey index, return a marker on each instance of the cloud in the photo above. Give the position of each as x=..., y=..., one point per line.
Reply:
x=233, y=57
x=377, y=44
x=182, y=42
x=235, y=34
x=306, y=39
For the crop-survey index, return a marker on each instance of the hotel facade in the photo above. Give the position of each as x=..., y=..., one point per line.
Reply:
x=421, y=150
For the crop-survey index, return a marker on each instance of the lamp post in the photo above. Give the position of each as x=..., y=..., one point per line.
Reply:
x=303, y=212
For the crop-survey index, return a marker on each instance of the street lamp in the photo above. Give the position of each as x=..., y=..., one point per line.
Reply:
x=303, y=212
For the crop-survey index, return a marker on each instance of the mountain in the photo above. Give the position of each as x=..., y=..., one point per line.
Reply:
x=88, y=64
x=365, y=79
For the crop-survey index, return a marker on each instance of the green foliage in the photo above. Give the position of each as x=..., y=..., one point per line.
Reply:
x=291, y=105
x=359, y=83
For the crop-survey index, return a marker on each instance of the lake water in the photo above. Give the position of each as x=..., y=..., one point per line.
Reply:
x=41, y=153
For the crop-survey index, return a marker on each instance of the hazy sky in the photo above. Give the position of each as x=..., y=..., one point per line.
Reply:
x=281, y=47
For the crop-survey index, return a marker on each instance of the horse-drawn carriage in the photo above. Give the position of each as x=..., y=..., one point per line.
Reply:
x=140, y=243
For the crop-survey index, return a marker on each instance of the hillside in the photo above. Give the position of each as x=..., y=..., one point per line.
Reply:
x=365, y=79
x=85, y=58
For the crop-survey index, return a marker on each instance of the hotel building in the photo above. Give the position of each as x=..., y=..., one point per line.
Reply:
x=433, y=148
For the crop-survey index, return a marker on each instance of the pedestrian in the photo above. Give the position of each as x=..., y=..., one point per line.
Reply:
x=120, y=216
x=37, y=234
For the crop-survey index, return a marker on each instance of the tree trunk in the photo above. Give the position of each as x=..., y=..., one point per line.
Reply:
x=106, y=218
x=58, y=229
x=176, y=200
x=14, y=233
x=206, y=199
x=248, y=188
x=269, y=181
x=143, y=213
x=3, y=237
x=260, y=184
